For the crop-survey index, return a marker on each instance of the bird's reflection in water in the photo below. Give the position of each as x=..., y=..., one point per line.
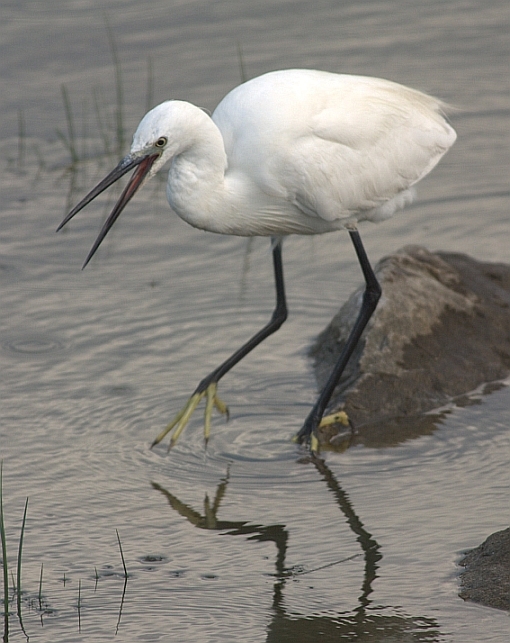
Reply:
x=362, y=623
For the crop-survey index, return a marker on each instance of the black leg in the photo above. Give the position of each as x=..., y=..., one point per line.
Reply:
x=208, y=386
x=371, y=296
x=277, y=319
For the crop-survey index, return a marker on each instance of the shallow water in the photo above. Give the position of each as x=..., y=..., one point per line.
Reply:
x=94, y=363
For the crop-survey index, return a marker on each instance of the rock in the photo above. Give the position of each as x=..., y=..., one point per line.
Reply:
x=441, y=330
x=486, y=579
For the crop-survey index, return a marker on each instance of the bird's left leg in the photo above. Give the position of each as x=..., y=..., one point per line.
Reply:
x=371, y=297
x=208, y=386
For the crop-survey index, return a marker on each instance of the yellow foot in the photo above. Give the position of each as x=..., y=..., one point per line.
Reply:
x=340, y=417
x=182, y=418
x=314, y=443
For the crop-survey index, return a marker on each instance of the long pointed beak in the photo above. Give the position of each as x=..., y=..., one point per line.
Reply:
x=144, y=164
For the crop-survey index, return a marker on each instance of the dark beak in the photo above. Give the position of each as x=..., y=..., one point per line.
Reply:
x=144, y=164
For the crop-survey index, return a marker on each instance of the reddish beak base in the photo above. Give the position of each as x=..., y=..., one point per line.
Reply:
x=143, y=165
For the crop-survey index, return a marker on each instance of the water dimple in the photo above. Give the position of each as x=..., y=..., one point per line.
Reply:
x=118, y=390
x=32, y=345
x=154, y=558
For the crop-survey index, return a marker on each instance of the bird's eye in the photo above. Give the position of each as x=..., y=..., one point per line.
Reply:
x=162, y=141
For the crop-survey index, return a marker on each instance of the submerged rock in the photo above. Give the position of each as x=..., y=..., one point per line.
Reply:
x=486, y=579
x=441, y=330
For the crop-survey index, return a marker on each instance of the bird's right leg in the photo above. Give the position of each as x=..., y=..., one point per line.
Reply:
x=371, y=296
x=208, y=386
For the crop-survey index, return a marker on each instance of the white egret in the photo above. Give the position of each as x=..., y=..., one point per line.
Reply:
x=289, y=152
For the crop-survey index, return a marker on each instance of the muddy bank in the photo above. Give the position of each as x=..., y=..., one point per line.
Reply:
x=441, y=330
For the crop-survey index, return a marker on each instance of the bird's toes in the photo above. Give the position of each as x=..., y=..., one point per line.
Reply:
x=340, y=417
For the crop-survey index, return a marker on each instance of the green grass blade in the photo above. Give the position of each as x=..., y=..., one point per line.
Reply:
x=21, y=138
x=70, y=140
x=149, y=100
x=79, y=605
x=122, y=555
x=103, y=131
x=119, y=112
x=40, y=586
x=20, y=553
x=4, y=558
x=240, y=60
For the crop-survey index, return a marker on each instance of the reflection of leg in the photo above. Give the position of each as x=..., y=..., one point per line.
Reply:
x=371, y=296
x=208, y=386
x=370, y=547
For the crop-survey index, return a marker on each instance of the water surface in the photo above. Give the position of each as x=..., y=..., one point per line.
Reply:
x=241, y=542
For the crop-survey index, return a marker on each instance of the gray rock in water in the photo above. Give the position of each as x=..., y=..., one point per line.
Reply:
x=442, y=329
x=486, y=579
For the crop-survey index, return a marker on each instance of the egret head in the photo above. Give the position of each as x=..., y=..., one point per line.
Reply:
x=153, y=145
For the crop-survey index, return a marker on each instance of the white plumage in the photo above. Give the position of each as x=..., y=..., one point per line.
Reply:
x=295, y=151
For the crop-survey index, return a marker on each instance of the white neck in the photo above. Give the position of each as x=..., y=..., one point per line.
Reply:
x=196, y=187
x=211, y=192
